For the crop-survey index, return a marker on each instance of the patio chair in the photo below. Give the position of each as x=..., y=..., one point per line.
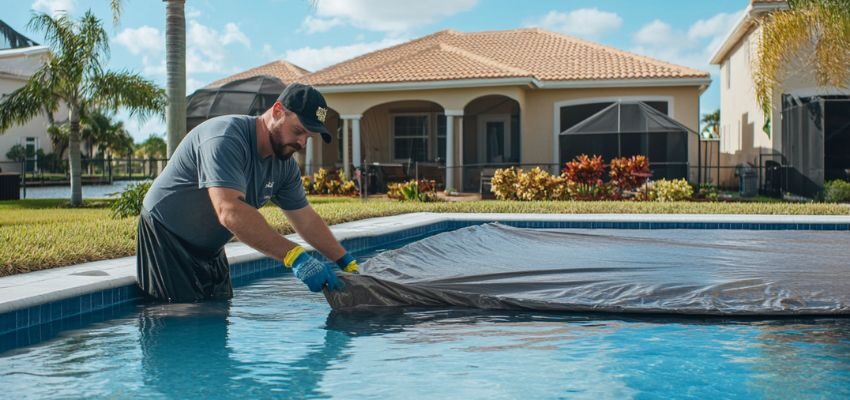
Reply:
x=486, y=184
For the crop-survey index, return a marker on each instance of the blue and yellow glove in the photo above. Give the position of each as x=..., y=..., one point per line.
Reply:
x=348, y=264
x=310, y=271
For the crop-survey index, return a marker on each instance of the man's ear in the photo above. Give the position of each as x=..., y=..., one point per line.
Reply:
x=278, y=109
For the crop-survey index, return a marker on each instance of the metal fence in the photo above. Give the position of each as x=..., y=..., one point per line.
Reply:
x=36, y=173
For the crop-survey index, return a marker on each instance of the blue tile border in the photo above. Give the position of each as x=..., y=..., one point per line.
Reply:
x=40, y=318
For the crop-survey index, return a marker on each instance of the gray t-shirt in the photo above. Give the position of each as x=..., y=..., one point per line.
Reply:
x=220, y=152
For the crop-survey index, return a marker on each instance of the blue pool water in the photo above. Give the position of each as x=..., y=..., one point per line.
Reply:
x=276, y=340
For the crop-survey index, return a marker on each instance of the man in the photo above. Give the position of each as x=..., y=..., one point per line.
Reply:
x=220, y=174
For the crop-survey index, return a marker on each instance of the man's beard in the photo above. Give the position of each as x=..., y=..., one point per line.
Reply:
x=283, y=151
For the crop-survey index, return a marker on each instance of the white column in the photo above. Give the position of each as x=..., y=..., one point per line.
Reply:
x=355, y=141
x=346, y=162
x=450, y=151
x=308, y=167
x=451, y=161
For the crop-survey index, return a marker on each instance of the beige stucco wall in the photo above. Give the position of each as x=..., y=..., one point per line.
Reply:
x=37, y=127
x=538, y=115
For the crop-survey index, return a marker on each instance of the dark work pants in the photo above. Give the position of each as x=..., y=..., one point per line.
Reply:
x=170, y=269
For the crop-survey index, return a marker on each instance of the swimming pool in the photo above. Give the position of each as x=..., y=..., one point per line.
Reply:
x=276, y=340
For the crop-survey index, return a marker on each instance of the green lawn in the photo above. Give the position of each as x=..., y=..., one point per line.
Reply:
x=40, y=234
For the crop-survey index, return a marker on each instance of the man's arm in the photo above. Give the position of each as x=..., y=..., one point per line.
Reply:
x=312, y=228
x=247, y=224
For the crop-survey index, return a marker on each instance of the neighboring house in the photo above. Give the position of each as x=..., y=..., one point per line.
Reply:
x=487, y=99
x=20, y=57
x=809, y=130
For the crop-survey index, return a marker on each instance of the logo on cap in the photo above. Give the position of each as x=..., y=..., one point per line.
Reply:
x=321, y=113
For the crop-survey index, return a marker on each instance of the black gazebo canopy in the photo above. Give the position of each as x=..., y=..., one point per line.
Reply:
x=625, y=129
x=249, y=96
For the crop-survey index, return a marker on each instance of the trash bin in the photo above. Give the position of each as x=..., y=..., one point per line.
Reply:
x=10, y=186
x=772, y=178
x=747, y=180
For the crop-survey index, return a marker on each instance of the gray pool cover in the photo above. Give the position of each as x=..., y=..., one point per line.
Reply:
x=697, y=272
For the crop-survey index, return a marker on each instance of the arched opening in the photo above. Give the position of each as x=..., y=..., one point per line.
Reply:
x=491, y=137
x=398, y=140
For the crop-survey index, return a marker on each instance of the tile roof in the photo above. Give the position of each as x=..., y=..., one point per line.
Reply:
x=532, y=53
x=281, y=69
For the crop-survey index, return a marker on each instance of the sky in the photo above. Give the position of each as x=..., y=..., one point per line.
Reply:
x=224, y=37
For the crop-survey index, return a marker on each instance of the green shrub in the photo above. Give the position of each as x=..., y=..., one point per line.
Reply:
x=586, y=192
x=503, y=183
x=675, y=190
x=708, y=192
x=533, y=185
x=332, y=183
x=837, y=191
x=424, y=190
x=129, y=202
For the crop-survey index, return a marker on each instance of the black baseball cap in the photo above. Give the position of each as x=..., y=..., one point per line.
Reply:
x=309, y=105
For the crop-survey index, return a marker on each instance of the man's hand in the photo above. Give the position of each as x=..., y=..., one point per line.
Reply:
x=310, y=271
x=348, y=264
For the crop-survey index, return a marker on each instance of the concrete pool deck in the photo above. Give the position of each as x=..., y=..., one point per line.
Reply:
x=41, y=287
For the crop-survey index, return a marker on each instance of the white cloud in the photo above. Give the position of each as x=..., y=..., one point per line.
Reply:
x=192, y=12
x=232, y=34
x=314, y=59
x=584, y=22
x=692, y=47
x=206, y=50
x=193, y=85
x=657, y=33
x=314, y=25
x=153, y=68
x=53, y=7
x=142, y=39
x=268, y=51
x=391, y=16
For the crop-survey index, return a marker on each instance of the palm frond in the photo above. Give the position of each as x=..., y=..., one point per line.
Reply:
x=812, y=36
x=112, y=90
x=56, y=30
x=25, y=103
x=116, y=7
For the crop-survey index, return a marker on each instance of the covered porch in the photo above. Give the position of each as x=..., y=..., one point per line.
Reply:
x=447, y=137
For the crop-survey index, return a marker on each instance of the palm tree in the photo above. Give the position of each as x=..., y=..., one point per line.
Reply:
x=153, y=147
x=98, y=128
x=815, y=31
x=711, y=124
x=175, y=64
x=74, y=74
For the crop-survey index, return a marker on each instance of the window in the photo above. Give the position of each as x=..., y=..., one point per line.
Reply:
x=410, y=137
x=728, y=73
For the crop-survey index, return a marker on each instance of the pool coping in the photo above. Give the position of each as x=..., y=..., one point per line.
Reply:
x=41, y=287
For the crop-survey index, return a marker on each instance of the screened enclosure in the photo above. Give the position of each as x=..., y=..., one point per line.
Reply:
x=624, y=129
x=815, y=142
x=11, y=39
x=250, y=96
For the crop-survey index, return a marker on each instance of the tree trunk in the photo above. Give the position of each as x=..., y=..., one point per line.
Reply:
x=74, y=144
x=175, y=44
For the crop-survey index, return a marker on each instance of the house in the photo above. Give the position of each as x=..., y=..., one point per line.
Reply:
x=470, y=101
x=807, y=139
x=20, y=57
